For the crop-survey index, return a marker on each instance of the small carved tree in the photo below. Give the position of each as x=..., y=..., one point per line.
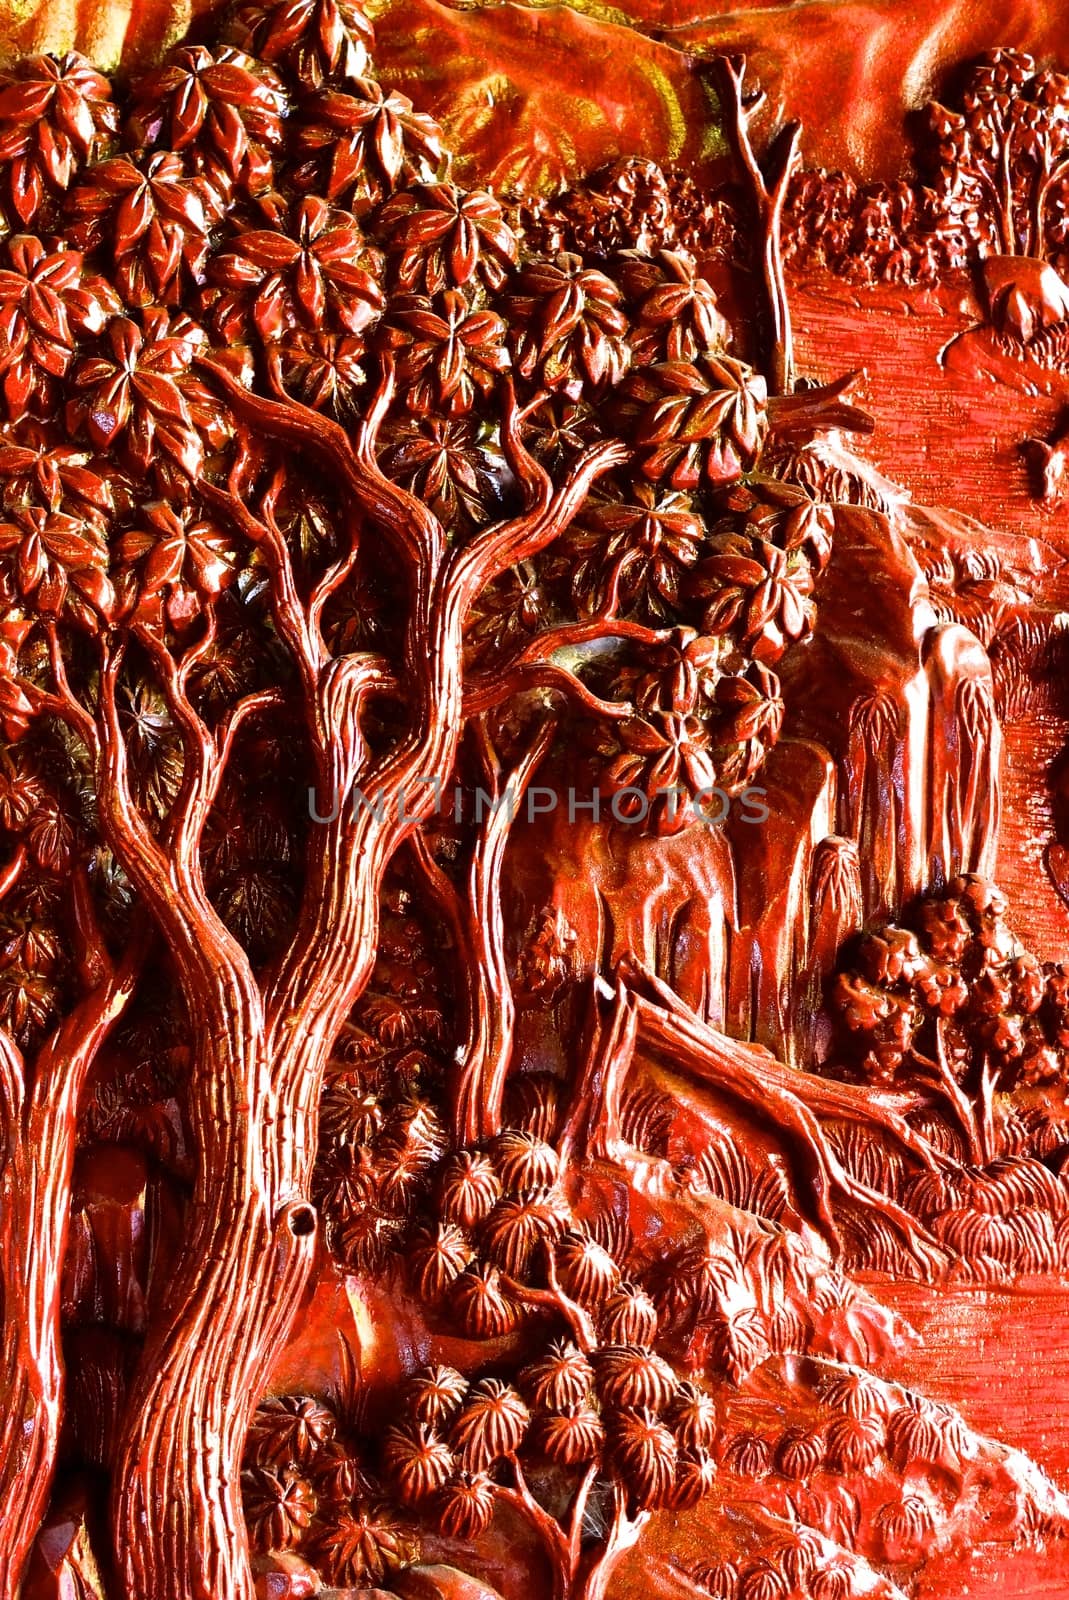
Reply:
x=957, y=1006
x=1005, y=153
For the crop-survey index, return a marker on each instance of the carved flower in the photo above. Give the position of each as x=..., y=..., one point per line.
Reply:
x=448, y=353
x=692, y=1414
x=143, y=393
x=435, y=1394
x=519, y=1224
x=290, y=1428
x=315, y=39
x=358, y=146
x=510, y=609
x=323, y=369
x=631, y=1377
x=174, y=561
x=469, y=1188
x=437, y=1258
x=27, y=1002
x=152, y=216
x=367, y=1238
x=568, y=327
x=694, y=1479
x=485, y=1311
x=51, y=561
x=904, y=1526
x=346, y=1181
x=751, y=714
x=446, y=462
x=34, y=470
x=350, y=1112
x=45, y=300
x=417, y=1461
x=694, y=419
x=856, y=1394
x=560, y=1379
x=403, y=1171
x=799, y=1453
x=677, y=316
x=560, y=430
x=834, y=1581
x=757, y=591
x=55, y=114
x=448, y=237
x=644, y=1453
x=223, y=106
x=628, y=1316
x=853, y=1443
x=524, y=1161
x=279, y=1507
x=491, y=1424
x=361, y=1545
x=572, y=1438
x=761, y=1580
x=586, y=1269
x=749, y=1454
x=21, y=791
x=466, y=1505
x=633, y=549
x=657, y=761
x=321, y=274
x=338, y=1475
x=720, y=1580
x=784, y=514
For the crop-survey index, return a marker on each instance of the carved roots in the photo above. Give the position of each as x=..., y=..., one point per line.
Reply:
x=644, y=1011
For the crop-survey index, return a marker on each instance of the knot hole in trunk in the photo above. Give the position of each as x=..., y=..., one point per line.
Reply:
x=300, y=1219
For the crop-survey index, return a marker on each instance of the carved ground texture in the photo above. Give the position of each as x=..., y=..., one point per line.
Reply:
x=533, y=1023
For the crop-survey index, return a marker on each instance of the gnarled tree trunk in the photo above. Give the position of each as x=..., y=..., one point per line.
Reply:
x=36, y=1168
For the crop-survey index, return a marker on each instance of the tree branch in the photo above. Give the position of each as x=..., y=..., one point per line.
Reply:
x=289, y=613
x=189, y=813
x=10, y=875
x=504, y=544
x=495, y=689
x=417, y=533
x=769, y=197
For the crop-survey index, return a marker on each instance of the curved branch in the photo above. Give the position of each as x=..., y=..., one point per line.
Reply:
x=132, y=839
x=769, y=197
x=478, y=1083
x=12, y=1092
x=555, y=1299
x=200, y=779
x=546, y=1526
x=501, y=546
x=623, y=1534
x=289, y=613
x=10, y=875
x=827, y=1098
x=494, y=689
x=234, y=721
x=418, y=534
x=528, y=471
x=482, y=689
x=65, y=702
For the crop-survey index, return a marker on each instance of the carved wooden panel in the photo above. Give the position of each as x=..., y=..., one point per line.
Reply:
x=534, y=808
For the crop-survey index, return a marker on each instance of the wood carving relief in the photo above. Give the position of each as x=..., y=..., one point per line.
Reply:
x=534, y=825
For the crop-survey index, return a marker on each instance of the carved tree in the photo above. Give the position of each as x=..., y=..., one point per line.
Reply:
x=304, y=436
x=959, y=1007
